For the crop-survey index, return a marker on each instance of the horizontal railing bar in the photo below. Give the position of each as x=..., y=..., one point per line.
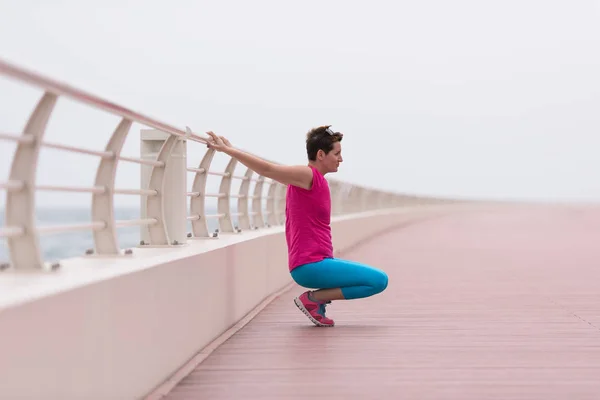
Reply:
x=193, y=194
x=217, y=195
x=237, y=214
x=50, y=188
x=12, y=185
x=103, y=154
x=140, y=161
x=253, y=213
x=143, y=192
x=94, y=226
x=244, y=178
x=135, y=222
x=238, y=196
x=225, y=174
x=12, y=137
x=212, y=216
x=196, y=170
x=193, y=217
x=59, y=88
x=11, y=231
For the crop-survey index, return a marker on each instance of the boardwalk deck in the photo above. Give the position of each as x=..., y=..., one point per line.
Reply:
x=482, y=305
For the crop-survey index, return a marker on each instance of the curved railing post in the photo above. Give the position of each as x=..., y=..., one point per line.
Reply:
x=198, y=199
x=271, y=211
x=342, y=197
x=397, y=201
x=380, y=198
x=363, y=199
x=244, y=214
x=280, y=203
x=105, y=240
x=334, y=191
x=372, y=199
x=224, y=203
x=350, y=200
x=358, y=199
x=257, y=209
x=24, y=249
x=168, y=207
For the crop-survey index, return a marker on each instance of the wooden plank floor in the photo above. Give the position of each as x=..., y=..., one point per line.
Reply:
x=482, y=305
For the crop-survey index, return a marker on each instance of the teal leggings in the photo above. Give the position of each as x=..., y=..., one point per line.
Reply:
x=355, y=279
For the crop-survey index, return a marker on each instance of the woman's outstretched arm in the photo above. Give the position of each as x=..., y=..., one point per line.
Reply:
x=295, y=175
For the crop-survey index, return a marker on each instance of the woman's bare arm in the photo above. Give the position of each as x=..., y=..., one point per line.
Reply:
x=296, y=175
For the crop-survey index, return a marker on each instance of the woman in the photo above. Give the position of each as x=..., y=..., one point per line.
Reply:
x=307, y=225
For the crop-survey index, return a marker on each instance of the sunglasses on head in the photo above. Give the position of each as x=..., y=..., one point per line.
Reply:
x=332, y=133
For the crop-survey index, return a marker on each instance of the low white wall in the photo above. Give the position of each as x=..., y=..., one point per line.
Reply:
x=116, y=329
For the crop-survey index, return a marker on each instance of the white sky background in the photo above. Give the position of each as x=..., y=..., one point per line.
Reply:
x=464, y=98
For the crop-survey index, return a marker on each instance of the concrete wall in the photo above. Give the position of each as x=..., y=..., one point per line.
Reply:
x=118, y=328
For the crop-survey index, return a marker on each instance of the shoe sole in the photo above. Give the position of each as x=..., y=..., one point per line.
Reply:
x=305, y=311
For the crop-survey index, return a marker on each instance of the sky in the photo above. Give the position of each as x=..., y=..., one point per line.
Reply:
x=462, y=99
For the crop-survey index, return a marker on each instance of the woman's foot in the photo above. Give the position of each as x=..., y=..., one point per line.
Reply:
x=314, y=310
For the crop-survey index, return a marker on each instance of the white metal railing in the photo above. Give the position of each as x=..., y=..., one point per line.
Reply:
x=165, y=198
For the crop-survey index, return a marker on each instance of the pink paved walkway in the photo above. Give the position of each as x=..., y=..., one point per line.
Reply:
x=482, y=305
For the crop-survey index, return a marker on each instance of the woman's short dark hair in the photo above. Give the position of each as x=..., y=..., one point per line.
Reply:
x=321, y=138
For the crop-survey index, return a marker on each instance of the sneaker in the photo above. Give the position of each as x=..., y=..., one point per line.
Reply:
x=315, y=311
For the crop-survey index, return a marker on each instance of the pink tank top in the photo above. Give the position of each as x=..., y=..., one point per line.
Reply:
x=307, y=229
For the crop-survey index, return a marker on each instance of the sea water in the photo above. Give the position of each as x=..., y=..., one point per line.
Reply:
x=59, y=246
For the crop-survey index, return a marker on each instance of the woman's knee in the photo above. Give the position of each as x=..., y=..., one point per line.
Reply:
x=380, y=282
